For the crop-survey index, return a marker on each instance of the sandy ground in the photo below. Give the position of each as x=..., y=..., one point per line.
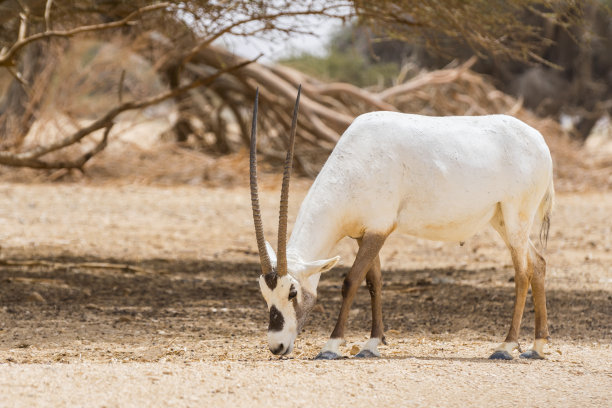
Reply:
x=122, y=296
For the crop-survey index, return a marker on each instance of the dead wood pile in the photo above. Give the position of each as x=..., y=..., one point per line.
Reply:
x=328, y=108
x=222, y=107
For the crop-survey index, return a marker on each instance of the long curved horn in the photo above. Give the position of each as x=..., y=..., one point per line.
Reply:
x=266, y=265
x=284, y=203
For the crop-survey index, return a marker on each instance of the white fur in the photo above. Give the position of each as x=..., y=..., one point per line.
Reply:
x=509, y=347
x=285, y=337
x=279, y=298
x=538, y=346
x=333, y=345
x=372, y=346
x=439, y=178
x=271, y=255
x=300, y=278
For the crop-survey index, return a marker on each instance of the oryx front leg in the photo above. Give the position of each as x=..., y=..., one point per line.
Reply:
x=521, y=286
x=368, y=252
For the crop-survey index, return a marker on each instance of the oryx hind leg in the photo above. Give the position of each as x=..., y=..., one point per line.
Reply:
x=538, y=264
x=371, y=243
x=513, y=225
x=374, y=282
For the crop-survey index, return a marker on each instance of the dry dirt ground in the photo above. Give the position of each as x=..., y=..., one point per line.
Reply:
x=134, y=296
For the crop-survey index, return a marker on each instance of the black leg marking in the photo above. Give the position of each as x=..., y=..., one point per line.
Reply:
x=327, y=355
x=532, y=354
x=366, y=354
x=500, y=355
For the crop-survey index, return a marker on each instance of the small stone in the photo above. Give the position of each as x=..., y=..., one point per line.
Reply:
x=36, y=297
x=318, y=308
x=354, y=350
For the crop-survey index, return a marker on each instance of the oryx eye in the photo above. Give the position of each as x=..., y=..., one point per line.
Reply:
x=292, y=292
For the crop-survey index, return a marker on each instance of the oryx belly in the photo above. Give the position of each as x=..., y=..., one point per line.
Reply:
x=438, y=178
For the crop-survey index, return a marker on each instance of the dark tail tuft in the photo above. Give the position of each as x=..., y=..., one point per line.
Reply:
x=545, y=211
x=544, y=230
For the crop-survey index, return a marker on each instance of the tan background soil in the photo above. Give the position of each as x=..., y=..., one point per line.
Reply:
x=185, y=324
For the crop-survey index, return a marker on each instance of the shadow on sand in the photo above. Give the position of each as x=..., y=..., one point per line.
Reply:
x=192, y=292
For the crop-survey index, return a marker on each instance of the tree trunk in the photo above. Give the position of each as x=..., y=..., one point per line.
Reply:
x=21, y=101
x=182, y=128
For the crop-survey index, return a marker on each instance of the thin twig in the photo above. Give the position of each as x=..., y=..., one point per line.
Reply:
x=77, y=163
x=121, y=79
x=17, y=75
x=48, y=22
x=31, y=158
x=258, y=17
x=84, y=265
x=6, y=58
x=23, y=25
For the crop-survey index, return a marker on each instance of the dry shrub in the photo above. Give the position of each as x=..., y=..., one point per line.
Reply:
x=452, y=91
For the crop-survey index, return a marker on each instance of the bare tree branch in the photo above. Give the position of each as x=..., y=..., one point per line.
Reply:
x=84, y=265
x=31, y=158
x=120, y=90
x=440, y=76
x=23, y=25
x=7, y=56
x=77, y=163
x=48, y=21
x=19, y=78
x=258, y=17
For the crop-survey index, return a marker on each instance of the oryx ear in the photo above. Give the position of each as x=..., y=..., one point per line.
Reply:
x=321, y=266
x=271, y=254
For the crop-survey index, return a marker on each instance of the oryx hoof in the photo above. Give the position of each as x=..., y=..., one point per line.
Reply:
x=366, y=354
x=531, y=354
x=327, y=355
x=500, y=355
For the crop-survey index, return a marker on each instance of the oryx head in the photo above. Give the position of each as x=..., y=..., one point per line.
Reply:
x=282, y=281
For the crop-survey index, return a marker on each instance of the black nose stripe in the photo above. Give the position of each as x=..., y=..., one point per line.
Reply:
x=276, y=320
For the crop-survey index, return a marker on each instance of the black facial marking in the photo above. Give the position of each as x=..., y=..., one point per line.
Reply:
x=271, y=280
x=276, y=320
x=292, y=292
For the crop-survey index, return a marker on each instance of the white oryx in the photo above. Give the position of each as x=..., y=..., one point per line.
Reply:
x=439, y=178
